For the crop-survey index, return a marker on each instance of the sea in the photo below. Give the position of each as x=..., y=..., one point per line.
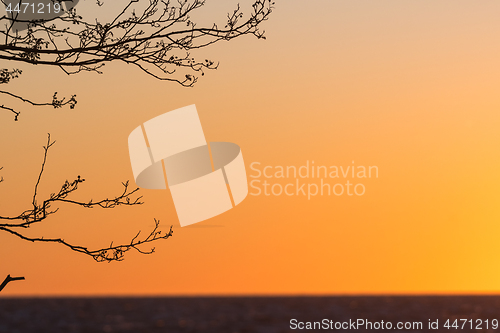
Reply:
x=251, y=314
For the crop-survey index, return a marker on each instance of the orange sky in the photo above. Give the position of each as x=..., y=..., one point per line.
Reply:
x=409, y=87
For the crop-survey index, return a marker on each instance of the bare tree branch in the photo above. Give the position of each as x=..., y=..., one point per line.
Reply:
x=159, y=37
x=9, y=279
x=16, y=114
x=7, y=75
x=156, y=36
x=40, y=211
x=107, y=254
x=56, y=103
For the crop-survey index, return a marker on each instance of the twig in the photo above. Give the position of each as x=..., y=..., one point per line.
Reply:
x=9, y=279
x=157, y=38
x=39, y=213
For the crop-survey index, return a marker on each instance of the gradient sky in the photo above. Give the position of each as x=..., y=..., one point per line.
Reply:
x=408, y=86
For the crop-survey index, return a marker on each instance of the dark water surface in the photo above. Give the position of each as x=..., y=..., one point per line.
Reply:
x=243, y=314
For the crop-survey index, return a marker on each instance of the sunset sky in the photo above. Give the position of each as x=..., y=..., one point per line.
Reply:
x=407, y=86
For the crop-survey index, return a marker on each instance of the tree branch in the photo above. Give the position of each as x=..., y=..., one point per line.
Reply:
x=16, y=114
x=157, y=37
x=107, y=254
x=56, y=103
x=9, y=279
x=39, y=212
x=6, y=76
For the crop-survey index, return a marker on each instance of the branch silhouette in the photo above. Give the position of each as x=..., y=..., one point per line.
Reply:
x=7, y=75
x=41, y=210
x=9, y=279
x=156, y=36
